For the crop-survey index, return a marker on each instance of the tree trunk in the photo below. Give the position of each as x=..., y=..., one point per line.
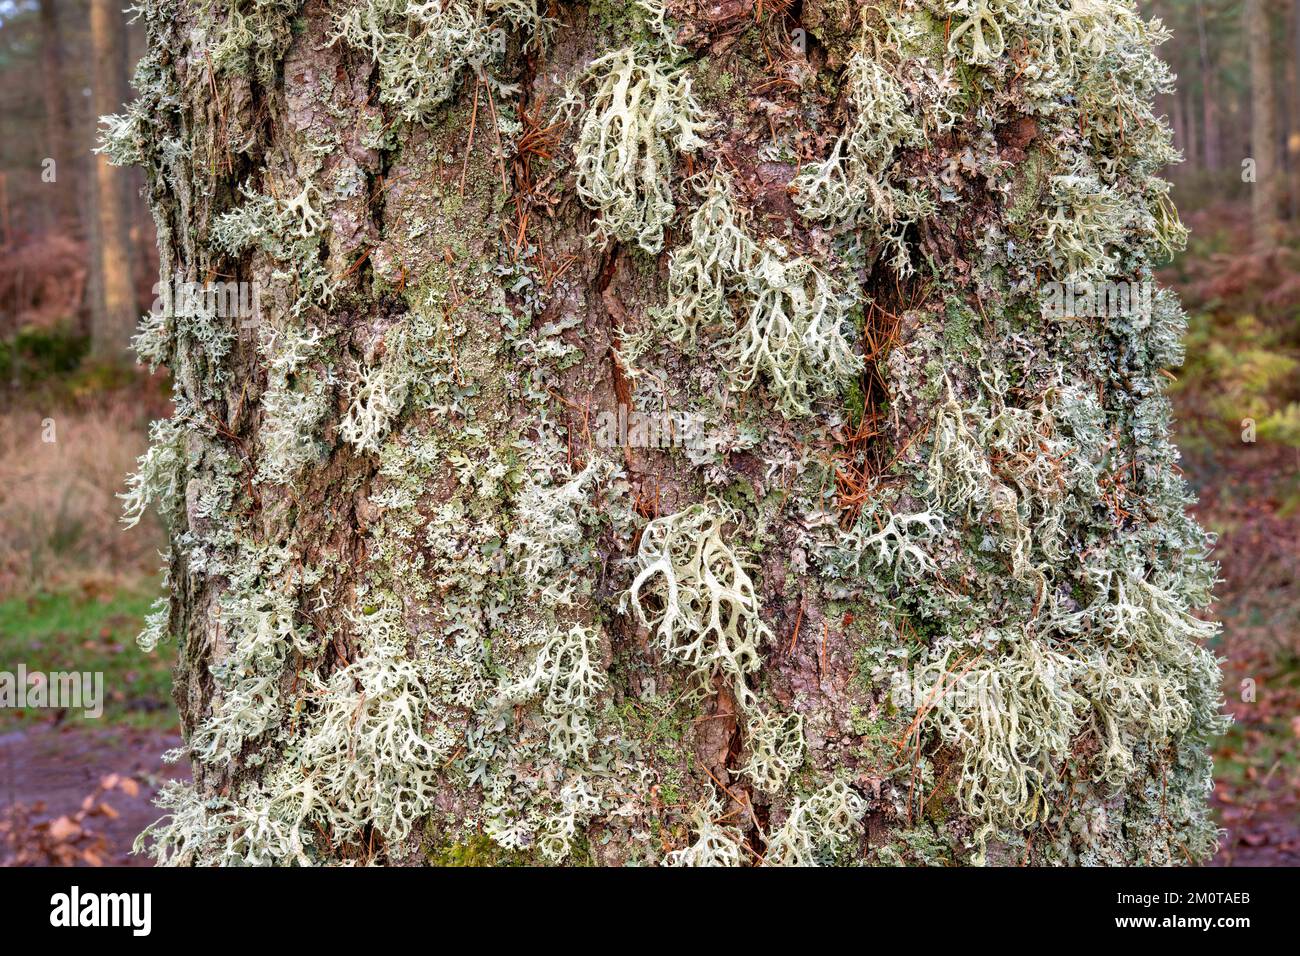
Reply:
x=115, y=310
x=1209, y=95
x=659, y=439
x=1293, y=133
x=1179, y=110
x=1266, y=192
x=1178, y=124
x=62, y=209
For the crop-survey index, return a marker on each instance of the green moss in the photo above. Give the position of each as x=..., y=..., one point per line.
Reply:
x=477, y=850
x=960, y=328
x=1028, y=187
x=622, y=21
x=921, y=845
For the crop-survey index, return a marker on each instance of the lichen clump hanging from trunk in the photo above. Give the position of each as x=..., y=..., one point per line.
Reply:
x=903, y=548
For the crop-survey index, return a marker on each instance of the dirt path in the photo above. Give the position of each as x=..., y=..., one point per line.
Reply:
x=79, y=795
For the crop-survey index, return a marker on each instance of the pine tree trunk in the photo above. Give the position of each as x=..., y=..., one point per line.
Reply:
x=1179, y=111
x=1266, y=192
x=62, y=211
x=654, y=440
x=114, y=312
x=1209, y=94
x=1293, y=114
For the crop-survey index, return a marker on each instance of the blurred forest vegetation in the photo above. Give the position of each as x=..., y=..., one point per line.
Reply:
x=78, y=267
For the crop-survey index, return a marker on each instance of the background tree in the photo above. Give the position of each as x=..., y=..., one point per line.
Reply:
x=1267, y=188
x=115, y=309
x=58, y=127
x=890, y=561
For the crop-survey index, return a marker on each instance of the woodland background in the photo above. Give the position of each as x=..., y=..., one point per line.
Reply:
x=78, y=267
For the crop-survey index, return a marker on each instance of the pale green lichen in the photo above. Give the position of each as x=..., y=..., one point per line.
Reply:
x=365, y=746
x=423, y=48
x=551, y=530
x=160, y=473
x=795, y=333
x=896, y=546
x=293, y=419
x=639, y=115
x=708, y=615
x=776, y=748
x=708, y=619
x=261, y=626
x=852, y=187
x=976, y=35
x=253, y=36
x=375, y=398
x=1014, y=719
x=797, y=319
x=1082, y=228
x=122, y=138
x=289, y=232
x=715, y=844
x=713, y=263
x=817, y=828
x=155, y=629
x=567, y=675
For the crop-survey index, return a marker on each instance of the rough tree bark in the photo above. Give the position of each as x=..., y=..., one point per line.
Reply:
x=660, y=438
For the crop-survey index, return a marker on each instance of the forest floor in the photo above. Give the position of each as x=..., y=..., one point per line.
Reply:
x=75, y=789
x=78, y=795
x=1237, y=401
x=1257, y=774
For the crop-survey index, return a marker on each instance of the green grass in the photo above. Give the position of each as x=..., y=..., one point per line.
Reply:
x=72, y=630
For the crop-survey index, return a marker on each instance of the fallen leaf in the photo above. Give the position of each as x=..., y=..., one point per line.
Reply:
x=64, y=829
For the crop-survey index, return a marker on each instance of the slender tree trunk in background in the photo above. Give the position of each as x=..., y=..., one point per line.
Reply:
x=115, y=309
x=62, y=197
x=635, y=444
x=1209, y=96
x=1178, y=122
x=1293, y=125
x=1266, y=192
x=1290, y=133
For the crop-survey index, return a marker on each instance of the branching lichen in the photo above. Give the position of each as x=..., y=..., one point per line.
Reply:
x=852, y=186
x=160, y=476
x=708, y=614
x=817, y=828
x=715, y=844
x=795, y=333
x=639, y=116
x=423, y=48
